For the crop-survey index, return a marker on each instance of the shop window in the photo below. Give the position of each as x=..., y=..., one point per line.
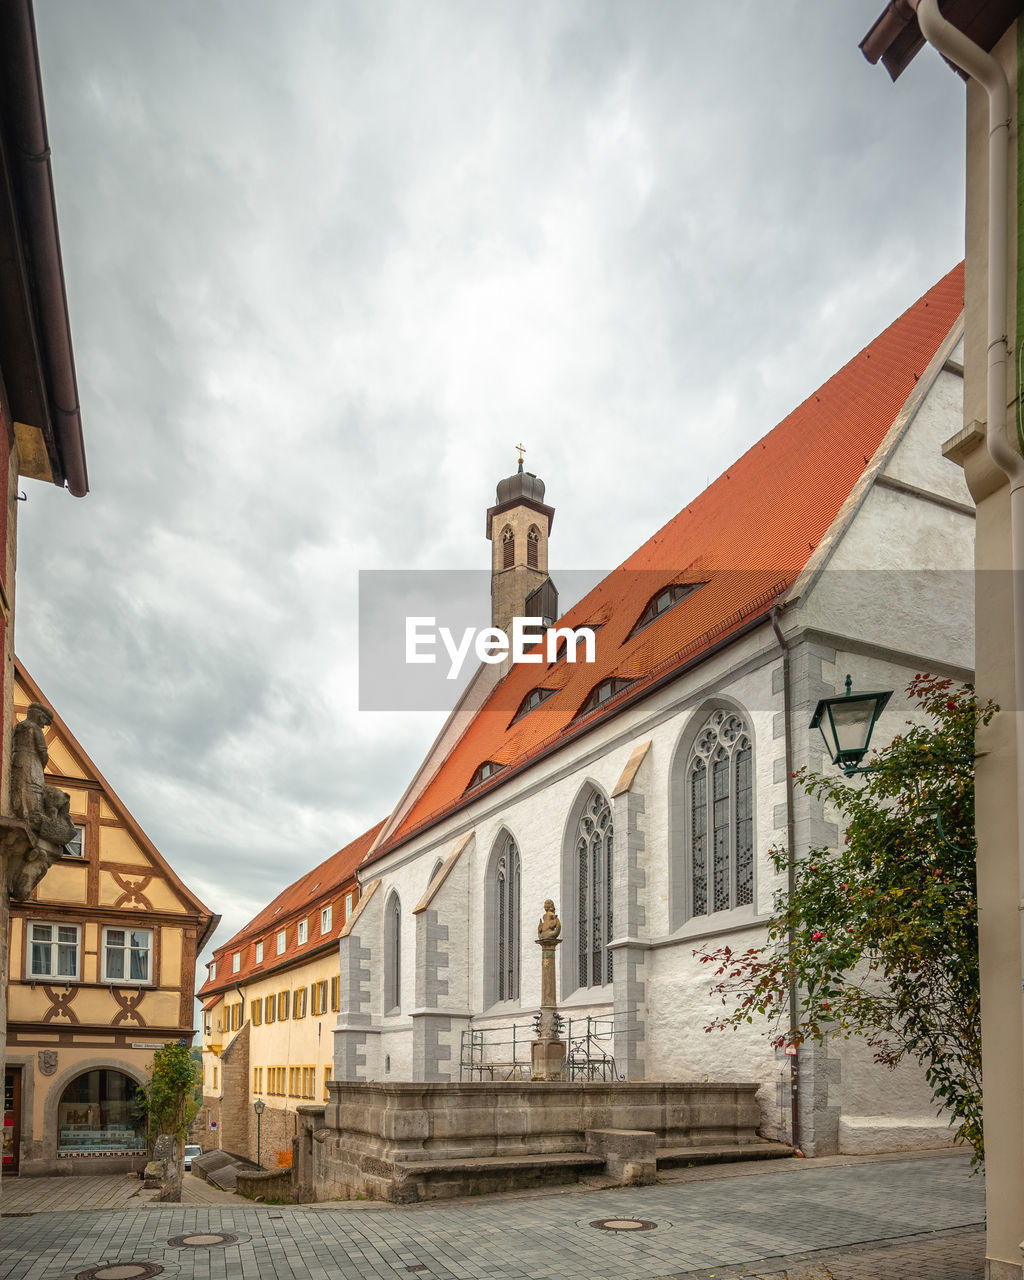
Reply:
x=100, y=1113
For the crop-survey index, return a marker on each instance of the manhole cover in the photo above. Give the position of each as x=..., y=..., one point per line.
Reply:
x=120, y=1271
x=623, y=1224
x=204, y=1240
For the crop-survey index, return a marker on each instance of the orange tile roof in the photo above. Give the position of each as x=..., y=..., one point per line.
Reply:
x=301, y=900
x=746, y=537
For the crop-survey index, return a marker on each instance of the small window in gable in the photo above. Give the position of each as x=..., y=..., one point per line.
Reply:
x=533, y=699
x=533, y=547
x=603, y=692
x=76, y=848
x=667, y=598
x=508, y=548
x=487, y=770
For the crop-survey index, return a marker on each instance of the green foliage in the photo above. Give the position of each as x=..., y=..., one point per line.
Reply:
x=881, y=936
x=169, y=1099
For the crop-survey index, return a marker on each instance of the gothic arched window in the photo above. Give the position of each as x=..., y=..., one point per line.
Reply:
x=393, y=955
x=508, y=548
x=533, y=547
x=594, y=883
x=507, y=880
x=720, y=810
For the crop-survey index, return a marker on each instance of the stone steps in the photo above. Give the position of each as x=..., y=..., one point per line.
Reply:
x=415, y=1180
x=721, y=1153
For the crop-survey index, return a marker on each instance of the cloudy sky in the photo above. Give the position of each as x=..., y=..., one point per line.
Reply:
x=328, y=261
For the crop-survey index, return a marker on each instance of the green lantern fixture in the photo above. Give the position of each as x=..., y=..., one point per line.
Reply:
x=258, y=1106
x=846, y=724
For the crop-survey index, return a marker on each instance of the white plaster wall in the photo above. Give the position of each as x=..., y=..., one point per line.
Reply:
x=902, y=577
x=917, y=460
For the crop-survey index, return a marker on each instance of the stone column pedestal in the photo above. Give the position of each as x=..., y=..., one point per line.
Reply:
x=547, y=1053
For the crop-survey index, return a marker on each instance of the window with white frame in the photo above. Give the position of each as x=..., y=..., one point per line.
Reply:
x=349, y=901
x=76, y=848
x=325, y=920
x=259, y=953
x=595, y=869
x=53, y=950
x=303, y=932
x=507, y=875
x=281, y=939
x=720, y=816
x=213, y=969
x=127, y=955
x=236, y=962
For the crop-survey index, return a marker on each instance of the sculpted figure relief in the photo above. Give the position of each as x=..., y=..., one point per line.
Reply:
x=44, y=808
x=549, y=926
x=28, y=759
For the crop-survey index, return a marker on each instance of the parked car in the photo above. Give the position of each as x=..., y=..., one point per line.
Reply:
x=191, y=1151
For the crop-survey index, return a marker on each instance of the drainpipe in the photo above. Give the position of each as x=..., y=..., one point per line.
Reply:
x=787, y=716
x=955, y=46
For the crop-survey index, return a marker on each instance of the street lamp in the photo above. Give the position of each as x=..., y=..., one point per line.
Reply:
x=846, y=723
x=258, y=1106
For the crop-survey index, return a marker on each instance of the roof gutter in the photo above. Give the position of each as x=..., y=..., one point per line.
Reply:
x=957, y=48
x=23, y=104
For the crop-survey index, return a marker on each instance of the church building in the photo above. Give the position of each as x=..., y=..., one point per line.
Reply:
x=641, y=791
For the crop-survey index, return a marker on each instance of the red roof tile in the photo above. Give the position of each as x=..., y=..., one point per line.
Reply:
x=746, y=537
x=301, y=900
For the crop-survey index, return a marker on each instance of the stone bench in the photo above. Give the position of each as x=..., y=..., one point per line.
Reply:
x=721, y=1153
x=415, y=1180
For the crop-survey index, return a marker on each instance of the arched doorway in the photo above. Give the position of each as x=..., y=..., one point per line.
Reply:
x=100, y=1113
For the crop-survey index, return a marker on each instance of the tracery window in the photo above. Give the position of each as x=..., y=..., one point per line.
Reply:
x=720, y=800
x=508, y=548
x=507, y=881
x=594, y=882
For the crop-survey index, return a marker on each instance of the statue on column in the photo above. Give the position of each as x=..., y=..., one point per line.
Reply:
x=548, y=1050
x=45, y=809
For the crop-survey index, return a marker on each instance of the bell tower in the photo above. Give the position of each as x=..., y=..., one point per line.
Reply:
x=518, y=526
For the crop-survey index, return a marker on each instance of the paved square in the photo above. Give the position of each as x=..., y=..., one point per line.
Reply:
x=865, y=1220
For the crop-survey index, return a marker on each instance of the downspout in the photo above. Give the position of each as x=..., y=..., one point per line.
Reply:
x=787, y=716
x=955, y=46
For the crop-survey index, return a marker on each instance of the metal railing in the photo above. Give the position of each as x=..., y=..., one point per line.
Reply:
x=503, y=1052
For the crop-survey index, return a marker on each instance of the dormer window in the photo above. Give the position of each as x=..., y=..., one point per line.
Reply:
x=667, y=598
x=487, y=770
x=563, y=645
x=603, y=693
x=259, y=952
x=533, y=547
x=508, y=548
x=533, y=699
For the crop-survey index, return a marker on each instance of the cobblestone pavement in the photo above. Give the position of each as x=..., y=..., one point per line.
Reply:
x=105, y=1191
x=875, y=1220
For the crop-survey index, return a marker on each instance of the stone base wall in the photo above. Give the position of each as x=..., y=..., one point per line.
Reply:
x=373, y=1132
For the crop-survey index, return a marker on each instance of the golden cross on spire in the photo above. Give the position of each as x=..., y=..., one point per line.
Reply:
x=522, y=450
